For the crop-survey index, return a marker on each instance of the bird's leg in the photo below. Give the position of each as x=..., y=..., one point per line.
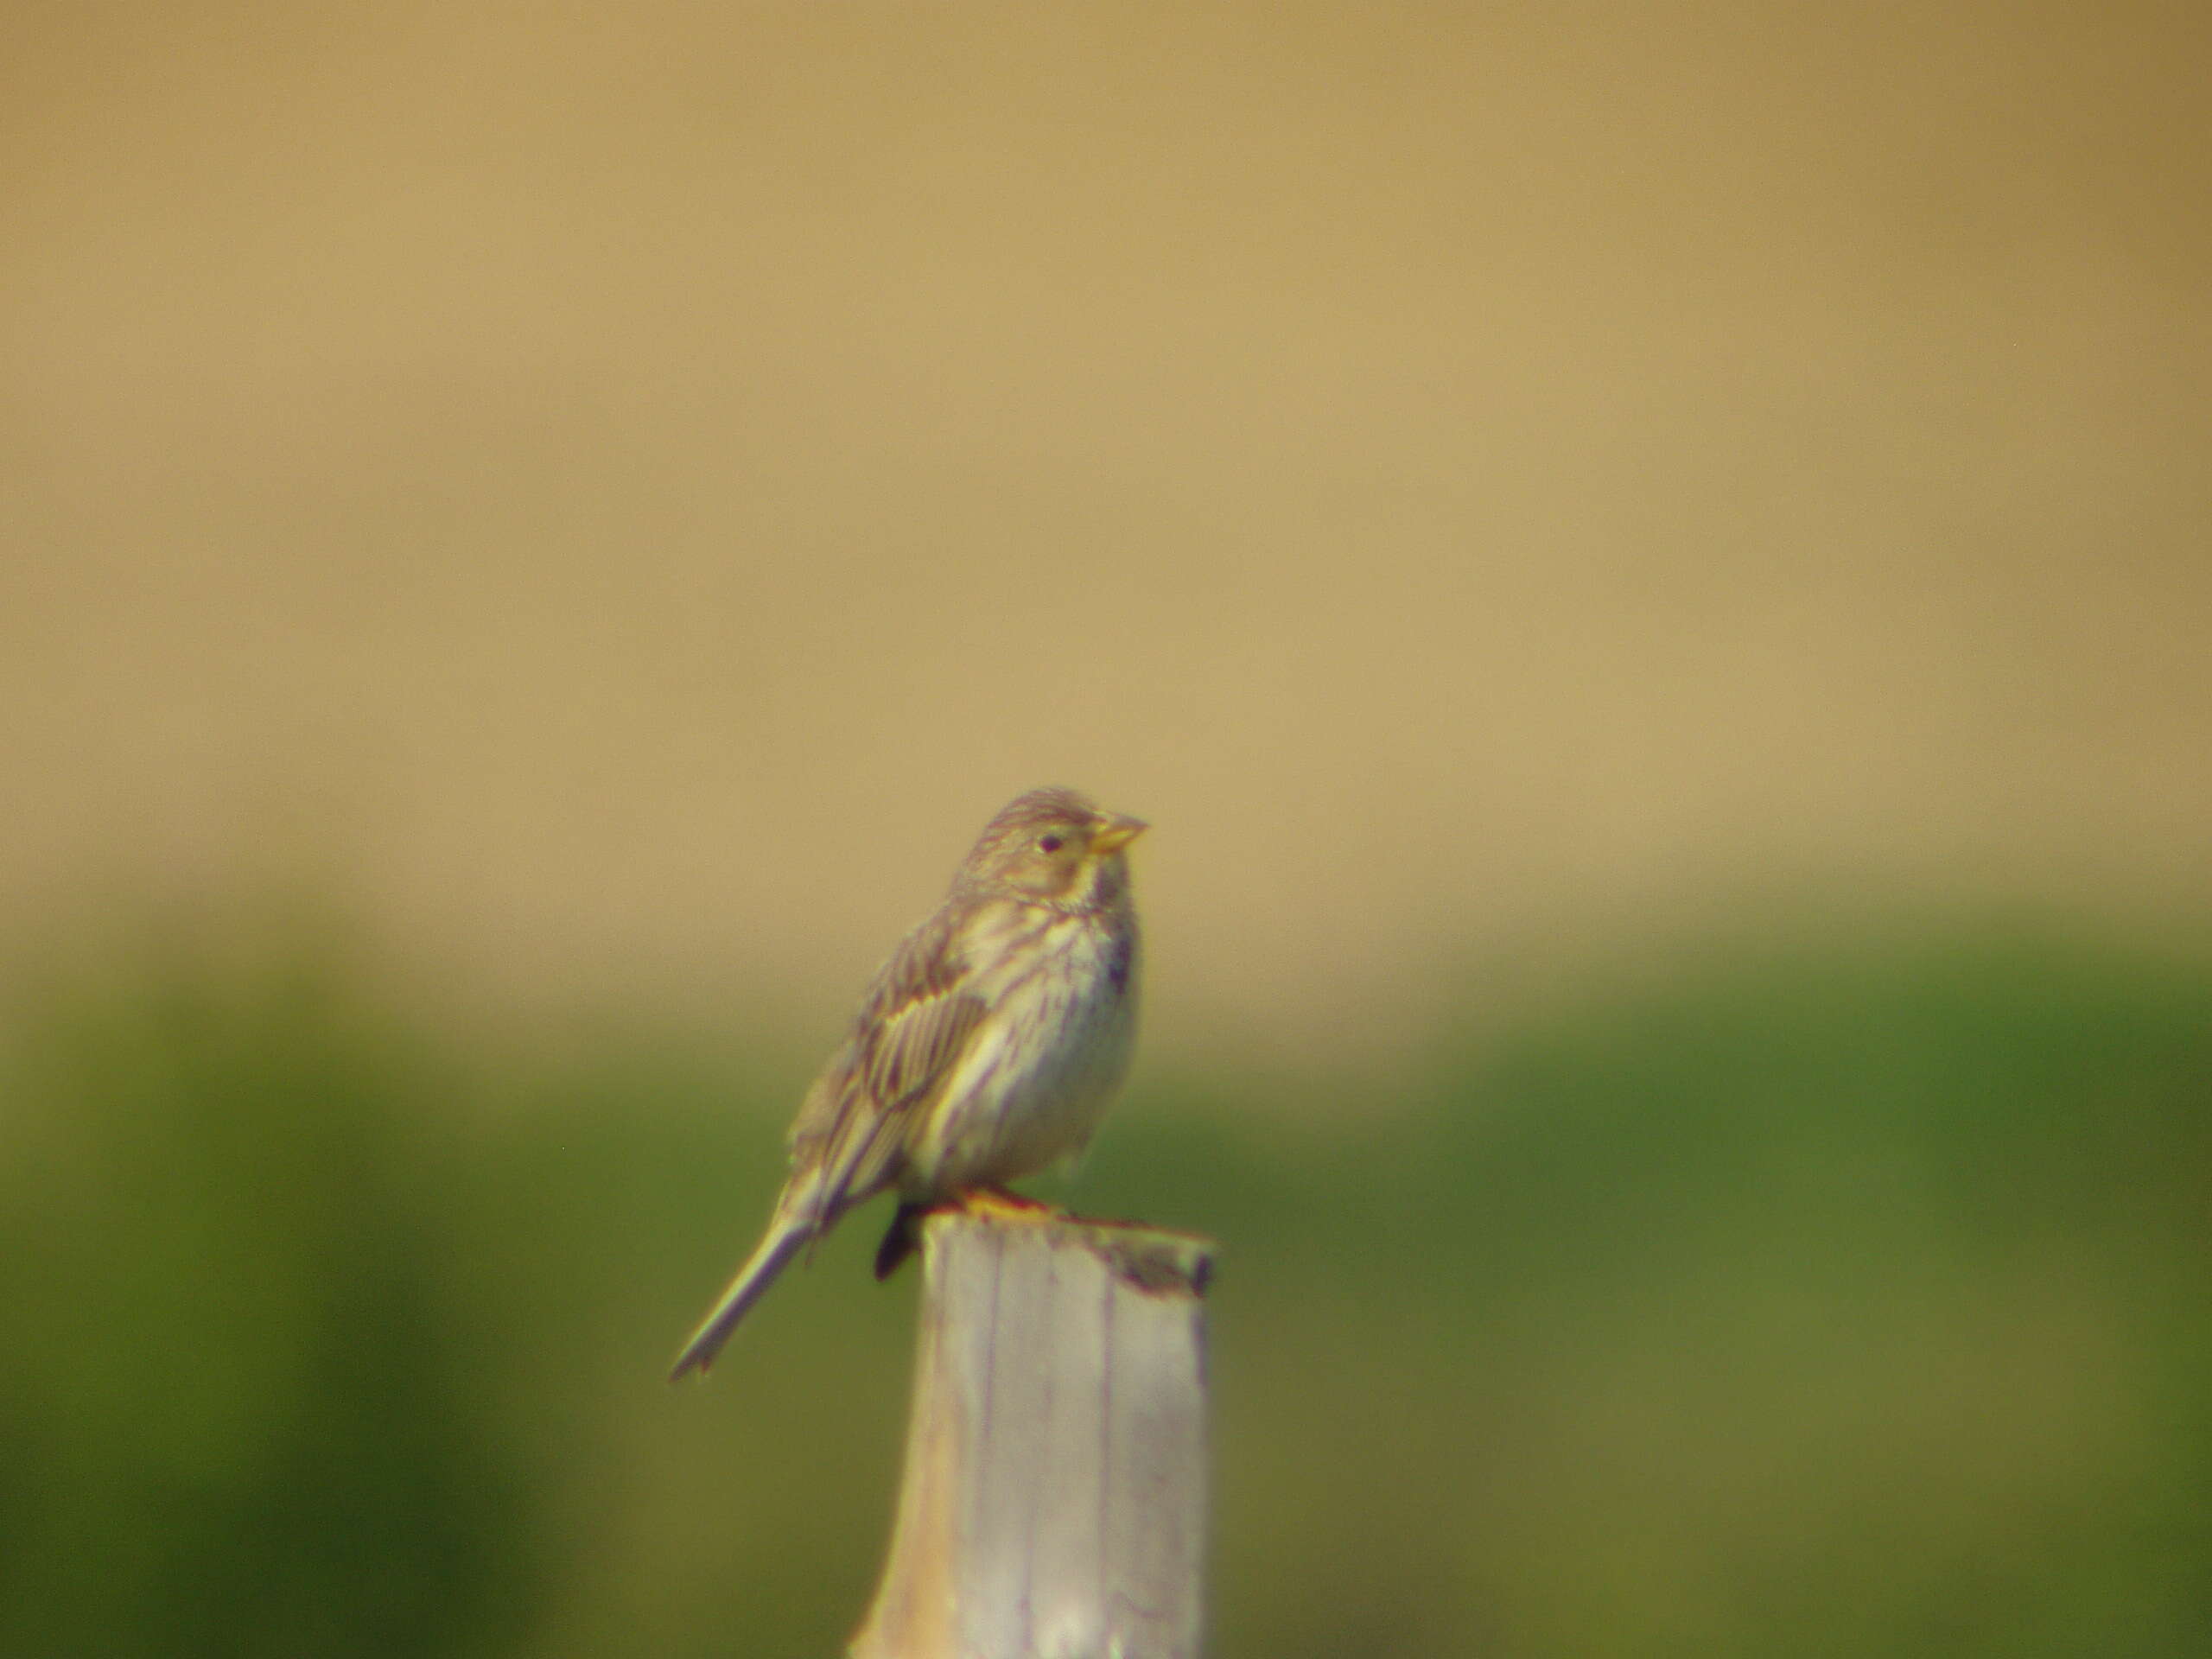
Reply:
x=901, y=1238
x=904, y=1236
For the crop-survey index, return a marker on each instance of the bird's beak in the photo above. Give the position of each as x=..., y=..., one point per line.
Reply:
x=1117, y=833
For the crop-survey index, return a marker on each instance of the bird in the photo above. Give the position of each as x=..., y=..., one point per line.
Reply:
x=986, y=1048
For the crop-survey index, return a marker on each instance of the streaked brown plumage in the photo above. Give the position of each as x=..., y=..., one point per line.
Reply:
x=986, y=1048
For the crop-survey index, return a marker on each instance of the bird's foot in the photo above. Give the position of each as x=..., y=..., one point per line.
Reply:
x=904, y=1236
x=997, y=1204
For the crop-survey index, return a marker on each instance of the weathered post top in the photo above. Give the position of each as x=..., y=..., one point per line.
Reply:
x=1054, y=1497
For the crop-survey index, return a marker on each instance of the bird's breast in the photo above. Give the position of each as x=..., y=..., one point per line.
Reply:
x=1044, y=1063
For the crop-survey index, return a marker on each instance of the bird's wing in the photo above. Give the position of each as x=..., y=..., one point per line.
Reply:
x=913, y=1028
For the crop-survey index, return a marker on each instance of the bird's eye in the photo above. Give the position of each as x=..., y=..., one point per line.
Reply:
x=1049, y=844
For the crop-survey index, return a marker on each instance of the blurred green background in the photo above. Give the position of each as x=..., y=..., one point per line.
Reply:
x=1833, y=1296
x=1649, y=563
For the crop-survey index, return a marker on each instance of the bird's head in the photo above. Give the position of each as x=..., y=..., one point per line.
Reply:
x=1055, y=846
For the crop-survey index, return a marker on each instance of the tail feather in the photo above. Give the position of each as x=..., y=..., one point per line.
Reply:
x=787, y=1237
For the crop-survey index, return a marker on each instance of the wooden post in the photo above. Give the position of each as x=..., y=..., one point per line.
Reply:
x=1054, y=1499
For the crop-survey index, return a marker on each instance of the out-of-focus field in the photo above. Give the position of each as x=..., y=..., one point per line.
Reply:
x=1827, y=1297
x=619, y=496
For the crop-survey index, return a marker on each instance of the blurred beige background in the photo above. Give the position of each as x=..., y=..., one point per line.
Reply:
x=619, y=497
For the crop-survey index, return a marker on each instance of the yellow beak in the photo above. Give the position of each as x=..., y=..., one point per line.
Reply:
x=1117, y=833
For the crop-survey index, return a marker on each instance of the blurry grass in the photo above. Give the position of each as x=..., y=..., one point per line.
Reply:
x=1839, y=1298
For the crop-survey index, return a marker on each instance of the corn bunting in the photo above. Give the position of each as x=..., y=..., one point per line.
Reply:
x=988, y=1047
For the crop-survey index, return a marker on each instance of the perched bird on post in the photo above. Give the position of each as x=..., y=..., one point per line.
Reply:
x=988, y=1047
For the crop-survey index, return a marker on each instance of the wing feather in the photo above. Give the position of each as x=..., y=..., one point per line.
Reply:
x=912, y=1029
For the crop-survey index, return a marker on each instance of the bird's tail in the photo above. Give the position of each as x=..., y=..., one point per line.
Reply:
x=787, y=1235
